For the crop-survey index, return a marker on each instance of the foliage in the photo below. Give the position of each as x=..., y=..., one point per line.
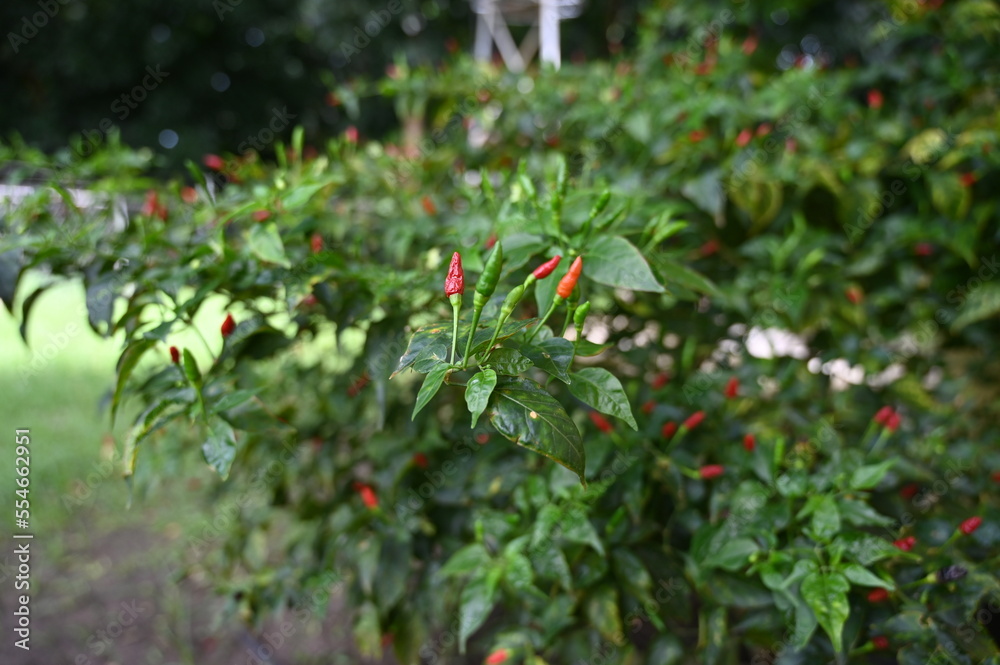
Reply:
x=746, y=497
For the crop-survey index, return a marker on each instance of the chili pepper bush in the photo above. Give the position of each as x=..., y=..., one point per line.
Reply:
x=749, y=415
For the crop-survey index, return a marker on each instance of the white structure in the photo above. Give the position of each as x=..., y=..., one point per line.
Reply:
x=543, y=16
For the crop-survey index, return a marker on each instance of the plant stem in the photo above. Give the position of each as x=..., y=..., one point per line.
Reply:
x=476, y=313
x=455, y=307
x=545, y=318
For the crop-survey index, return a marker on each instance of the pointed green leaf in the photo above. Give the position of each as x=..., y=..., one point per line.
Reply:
x=478, y=391
x=367, y=631
x=826, y=594
x=509, y=362
x=527, y=415
x=826, y=519
x=466, y=560
x=432, y=383
x=126, y=363
x=867, y=477
x=26, y=310
x=232, y=400
x=679, y=274
x=733, y=555
x=614, y=261
x=552, y=355
x=600, y=389
x=421, y=338
x=602, y=611
x=10, y=272
x=220, y=447
x=864, y=577
x=265, y=243
x=476, y=604
x=586, y=349
x=508, y=329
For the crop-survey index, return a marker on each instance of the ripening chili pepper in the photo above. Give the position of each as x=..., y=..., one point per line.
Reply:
x=600, y=422
x=228, y=326
x=544, y=270
x=175, y=355
x=905, y=544
x=882, y=415
x=749, y=442
x=878, y=596
x=497, y=657
x=711, y=471
x=909, y=491
x=454, y=283
x=428, y=205
x=669, y=429
x=892, y=422
x=970, y=525
x=694, y=420
x=880, y=642
x=732, y=388
x=568, y=282
x=420, y=460
x=950, y=573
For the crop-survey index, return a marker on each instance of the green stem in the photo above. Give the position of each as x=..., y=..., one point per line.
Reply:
x=552, y=308
x=569, y=318
x=496, y=333
x=455, y=307
x=476, y=313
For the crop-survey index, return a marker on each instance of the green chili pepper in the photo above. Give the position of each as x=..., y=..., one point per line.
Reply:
x=485, y=287
x=581, y=314
x=509, y=303
x=599, y=206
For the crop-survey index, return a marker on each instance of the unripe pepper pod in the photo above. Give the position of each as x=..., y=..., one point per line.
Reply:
x=490, y=276
x=580, y=315
x=455, y=281
x=568, y=282
x=510, y=302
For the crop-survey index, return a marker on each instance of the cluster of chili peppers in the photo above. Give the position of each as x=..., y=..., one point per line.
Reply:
x=454, y=289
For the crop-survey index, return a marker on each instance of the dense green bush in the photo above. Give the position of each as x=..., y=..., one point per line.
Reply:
x=743, y=504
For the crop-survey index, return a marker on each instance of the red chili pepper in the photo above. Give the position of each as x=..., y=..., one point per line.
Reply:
x=697, y=135
x=214, y=162
x=669, y=429
x=316, y=243
x=732, y=388
x=711, y=471
x=763, y=129
x=420, y=460
x=875, y=99
x=189, y=194
x=497, y=657
x=261, y=215
x=492, y=240
x=600, y=422
x=694, y=420
x=648, y=407
x=970, y=525
x=544, y=270
x=367, y=494
x=709, y=248
x=892, y=423
x=749, y=45
x=878, y=596
x=482, y=439
x=660, y=380
x=880, y=642
x=909, y=491
x=455, y=281
x=996, y=476
x=568, y=282
x=743, y=138
x=228, y=326
x=905, y=544
x=968, y=179
x=882, y=415
x=308, y=301
x=923, y=249
x=175, y=355
x=428, y=205
x=351, y=134
x=151, y=204
x=749, y=442
x=854, y=294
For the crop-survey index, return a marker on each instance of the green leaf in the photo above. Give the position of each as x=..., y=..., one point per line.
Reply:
x=126, y=363
x=10, y=272
x=265, y=243
x=507, y=330
x=733, y=555
x=826, y=594
x=26, y=310
x=864, y=577
x=299, y=195
x=421, y=338
x=586, y=349
x=468, y=559
x=476, y=603
x=600, y=389
x=981, y=304
x=576, y=527
x=859, y=513
x=602, y=612
x=232, y=400
x=826, y=519
x=614, y=261
x=393, y=570
x=367, y=632
x=220, y=447
x=433, y=355
x=553, y=355
x=478, y=391
x=867, y=477
x=679, y=274
x=530, y=417
x=509, y=362
x=432, y=383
